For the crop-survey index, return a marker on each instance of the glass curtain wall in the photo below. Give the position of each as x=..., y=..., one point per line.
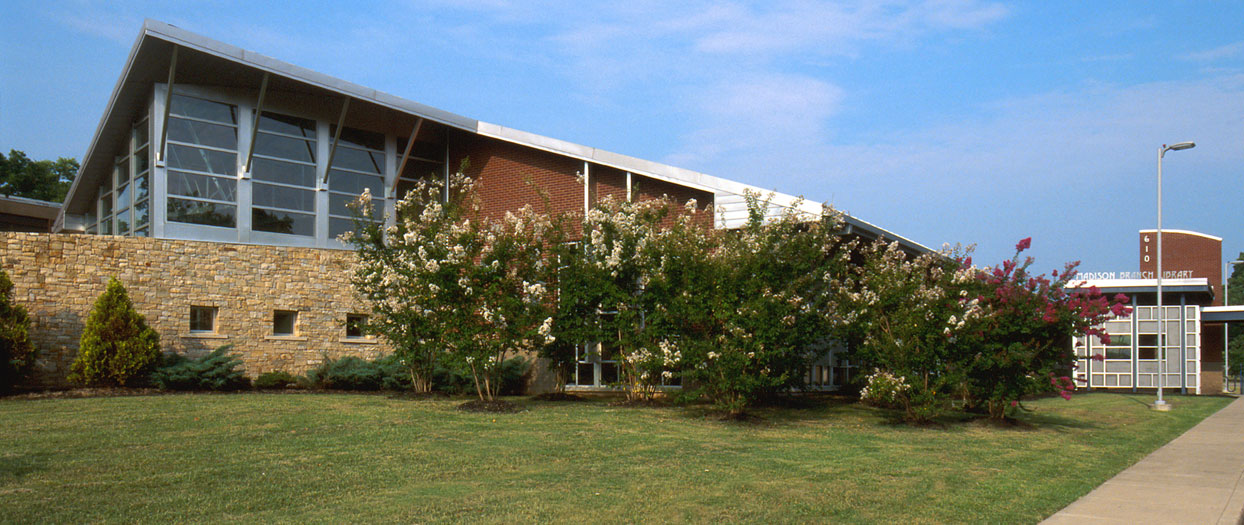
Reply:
x=291, y=190
x=122, y=201
x=1132, y=359
x=202, y=162
x=358, y=164
x=283, y=175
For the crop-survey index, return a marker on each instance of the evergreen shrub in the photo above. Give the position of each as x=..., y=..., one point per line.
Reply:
x=117, y=346
x=16, y=352
x=354, y=373
x=275, y=380
x=215, y=371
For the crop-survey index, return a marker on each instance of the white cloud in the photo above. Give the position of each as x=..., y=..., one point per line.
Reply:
x=1218, y=53
x=839, y=28
x=742, y=117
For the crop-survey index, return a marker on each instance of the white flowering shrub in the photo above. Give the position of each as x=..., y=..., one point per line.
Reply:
x=907, y=316
x=447, y=285
x=885, y=389
x=610, y=285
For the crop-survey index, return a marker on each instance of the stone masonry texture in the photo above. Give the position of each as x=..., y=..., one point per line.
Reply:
x=58, y=277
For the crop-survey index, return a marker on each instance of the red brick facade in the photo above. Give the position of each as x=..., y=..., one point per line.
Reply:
x=1187, y=255
x=1184, y=256
x=509, y=176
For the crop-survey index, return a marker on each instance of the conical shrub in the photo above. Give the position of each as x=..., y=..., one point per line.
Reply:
x=117, y=347
x=16, y=352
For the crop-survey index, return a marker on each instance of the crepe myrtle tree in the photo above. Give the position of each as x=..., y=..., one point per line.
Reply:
x=610, y=285
x=1019, y=341
x=905, y=312
x=449, y=286
x=754, y=306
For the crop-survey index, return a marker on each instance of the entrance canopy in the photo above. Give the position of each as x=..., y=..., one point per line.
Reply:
x=1229, y=314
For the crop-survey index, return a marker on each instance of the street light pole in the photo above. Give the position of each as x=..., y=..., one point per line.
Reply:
x=1226, y=329
x=1161, y=404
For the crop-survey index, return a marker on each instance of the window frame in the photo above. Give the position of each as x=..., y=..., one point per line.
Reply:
x=213, y=322
x=293, y=325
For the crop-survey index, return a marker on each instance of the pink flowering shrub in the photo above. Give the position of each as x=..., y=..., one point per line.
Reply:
x=1021, y=337
x=985, y=337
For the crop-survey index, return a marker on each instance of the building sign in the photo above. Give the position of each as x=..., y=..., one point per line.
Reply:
x=1168, y=274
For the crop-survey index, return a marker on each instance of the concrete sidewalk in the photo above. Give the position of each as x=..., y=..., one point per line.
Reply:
x=1197, y=478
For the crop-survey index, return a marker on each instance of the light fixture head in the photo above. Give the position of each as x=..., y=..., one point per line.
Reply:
x=1181, y=145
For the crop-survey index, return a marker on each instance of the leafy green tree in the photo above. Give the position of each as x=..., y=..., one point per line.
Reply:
x=752, y=307
x=47, y=180
x=1235, y=296
x=1019, y=341
x=16, y=352
x=117, y=347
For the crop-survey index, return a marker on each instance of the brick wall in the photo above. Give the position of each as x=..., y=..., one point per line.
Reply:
x=510, y=175
x=58, y=277
x=648, y=188
x=1195, y=255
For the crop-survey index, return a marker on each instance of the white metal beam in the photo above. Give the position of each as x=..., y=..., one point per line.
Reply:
x=587, y=204
x=401, y=166
x=332, y=150
x=168, y=97
x=250, y=152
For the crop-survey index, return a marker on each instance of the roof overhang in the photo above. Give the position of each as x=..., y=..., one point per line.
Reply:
x=1198, y=285
x=211, y=62
x=29, y=207
x=1222, y=313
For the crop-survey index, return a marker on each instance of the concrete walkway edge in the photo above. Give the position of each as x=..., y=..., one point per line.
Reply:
x=1196, y=478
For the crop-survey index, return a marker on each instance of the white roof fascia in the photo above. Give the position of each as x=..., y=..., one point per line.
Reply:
x=1185, y=232
x=1222, y=309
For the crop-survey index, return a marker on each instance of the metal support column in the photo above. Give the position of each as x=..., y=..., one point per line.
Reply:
x=168, y=98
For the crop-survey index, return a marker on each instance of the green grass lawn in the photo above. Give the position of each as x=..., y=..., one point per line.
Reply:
x=360, y=458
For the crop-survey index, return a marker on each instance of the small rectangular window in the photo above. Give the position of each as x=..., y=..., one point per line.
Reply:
x=356, y=326
x=284, y=322
x=202, y=318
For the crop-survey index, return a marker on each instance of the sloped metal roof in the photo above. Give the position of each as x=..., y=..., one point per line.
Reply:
x=149, y=59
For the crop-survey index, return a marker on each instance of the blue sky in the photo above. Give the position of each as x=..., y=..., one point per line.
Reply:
x=945, y=121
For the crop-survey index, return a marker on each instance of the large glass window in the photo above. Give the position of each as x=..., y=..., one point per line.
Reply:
x=140, y=188
x=283, y=175
x=358, y=164
x=202, y=162
x=427, y=159
x=122, y=199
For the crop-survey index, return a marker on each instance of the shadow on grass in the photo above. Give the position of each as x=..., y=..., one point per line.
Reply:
x=14, y=467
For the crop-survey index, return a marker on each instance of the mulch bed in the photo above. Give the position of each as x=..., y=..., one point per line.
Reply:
x=496, y=406
x=558, y=396
x=88, y=392
x=639, y=403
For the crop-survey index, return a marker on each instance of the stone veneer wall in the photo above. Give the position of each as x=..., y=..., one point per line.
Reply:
x=58, y=277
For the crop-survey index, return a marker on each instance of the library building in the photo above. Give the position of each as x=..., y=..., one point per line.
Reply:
x=1192, y=311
